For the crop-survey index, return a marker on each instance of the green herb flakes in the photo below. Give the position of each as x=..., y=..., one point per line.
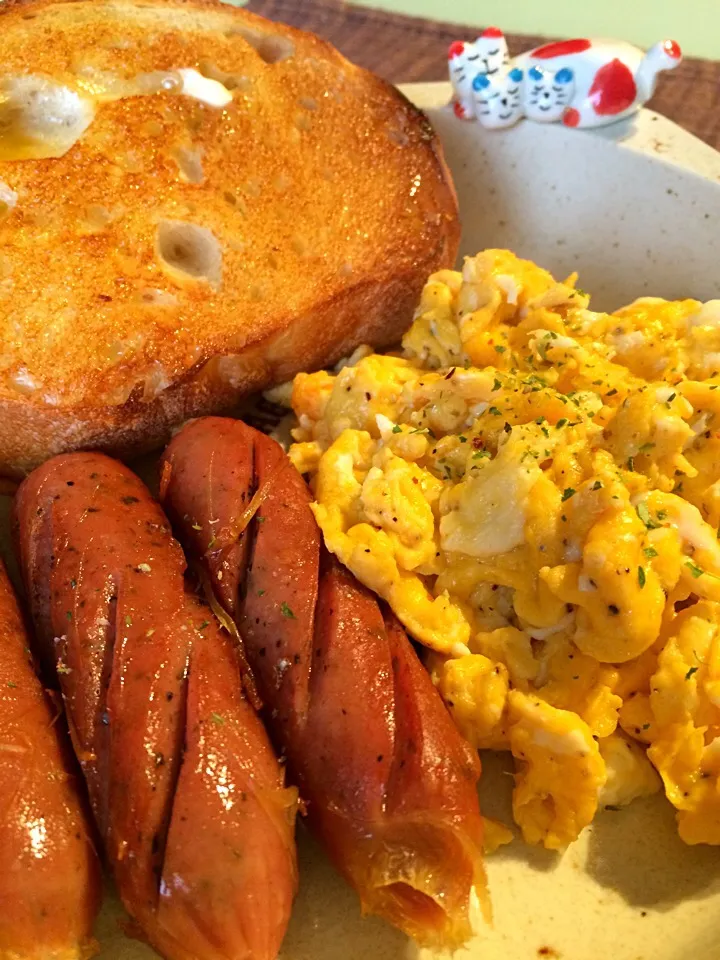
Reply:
x=286, y=611
x=644, y=514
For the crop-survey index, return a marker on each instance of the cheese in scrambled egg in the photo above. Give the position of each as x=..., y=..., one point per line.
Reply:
x=533, y=487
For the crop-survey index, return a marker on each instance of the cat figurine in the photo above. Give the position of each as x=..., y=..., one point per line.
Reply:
x=580, y=82
x=499, y=98
x=485, y=56
x=547, y=93
x=610, y=79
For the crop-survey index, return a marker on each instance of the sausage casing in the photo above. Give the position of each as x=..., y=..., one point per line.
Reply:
x=389, y=784
x=49, y=873
x=186, y=791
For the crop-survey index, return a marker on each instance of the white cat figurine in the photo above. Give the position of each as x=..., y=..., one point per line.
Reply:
x=581, y=83
x=547, y=94
x=486, y=56
x=610, y=79
x=499, y=98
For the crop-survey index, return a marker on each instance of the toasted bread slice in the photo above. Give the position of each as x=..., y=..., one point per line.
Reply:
x=195, y=204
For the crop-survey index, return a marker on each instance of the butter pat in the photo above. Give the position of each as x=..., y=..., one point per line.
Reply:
x=208, y=91
x=40, y=119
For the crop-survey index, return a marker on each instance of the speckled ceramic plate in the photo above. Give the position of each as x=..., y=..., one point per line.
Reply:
x=635, y=209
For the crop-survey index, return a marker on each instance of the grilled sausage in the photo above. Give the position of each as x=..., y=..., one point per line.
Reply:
x=389, y=784
x=185, y=788
x=49, y=873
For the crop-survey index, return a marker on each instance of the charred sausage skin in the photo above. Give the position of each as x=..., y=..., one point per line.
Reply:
x=389, y=784
x=186, y=791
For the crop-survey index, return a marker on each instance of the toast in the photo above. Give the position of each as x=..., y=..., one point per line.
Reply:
x=195, y=204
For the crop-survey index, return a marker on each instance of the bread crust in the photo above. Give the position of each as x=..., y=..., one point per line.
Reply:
x=326, y=192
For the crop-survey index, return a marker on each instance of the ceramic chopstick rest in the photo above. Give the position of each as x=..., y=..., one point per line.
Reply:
x=581, y=83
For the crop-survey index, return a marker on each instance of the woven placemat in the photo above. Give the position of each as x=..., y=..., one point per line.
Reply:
x=405, y=49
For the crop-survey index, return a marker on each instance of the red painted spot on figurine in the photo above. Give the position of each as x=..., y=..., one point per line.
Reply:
x=562, y=48
x=456, y=49
x=571, y=117
x=613, y=89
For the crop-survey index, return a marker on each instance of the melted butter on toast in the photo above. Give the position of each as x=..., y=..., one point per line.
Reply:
x=41, y=118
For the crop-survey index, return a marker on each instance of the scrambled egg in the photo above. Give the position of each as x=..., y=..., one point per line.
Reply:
x=534, y=488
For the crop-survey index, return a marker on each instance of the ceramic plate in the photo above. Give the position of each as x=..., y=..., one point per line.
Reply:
x=635, y=209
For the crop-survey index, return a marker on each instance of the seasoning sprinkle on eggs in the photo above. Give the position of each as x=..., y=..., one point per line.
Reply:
x=532, y=487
